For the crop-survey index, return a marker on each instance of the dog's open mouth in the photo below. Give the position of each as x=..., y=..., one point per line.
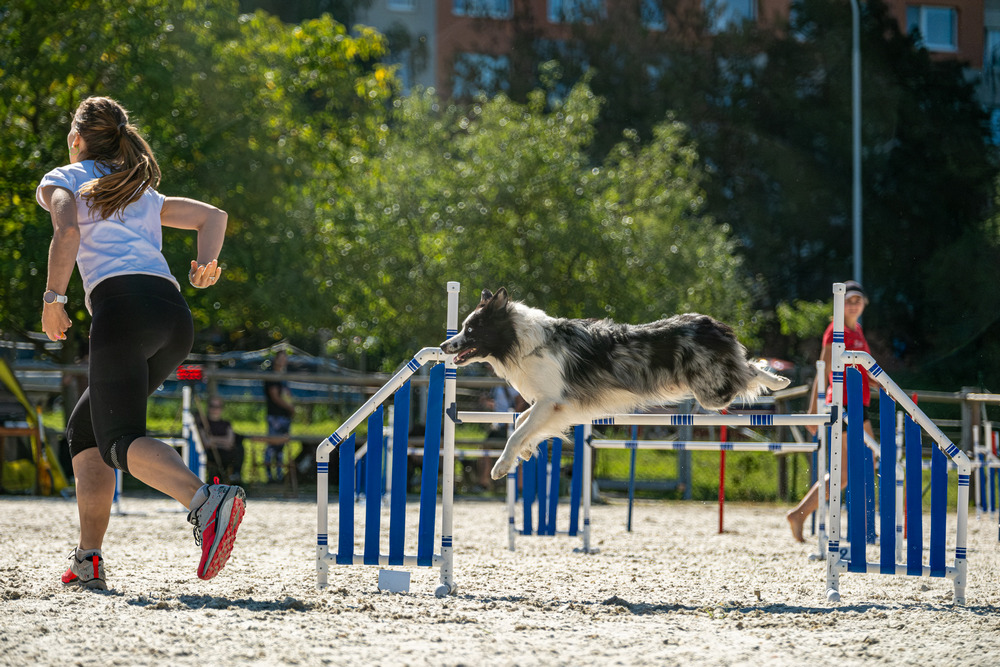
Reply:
x=464, y=355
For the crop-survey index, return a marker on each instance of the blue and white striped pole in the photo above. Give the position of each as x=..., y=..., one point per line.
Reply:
x=836, y=446
x=821, y=441
x=752, y=420
x=447, y=586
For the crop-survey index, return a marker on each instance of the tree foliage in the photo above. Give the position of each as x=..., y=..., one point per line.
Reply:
x=769, y=107
x=502, y=193
x=640, y=174
x=243, y=111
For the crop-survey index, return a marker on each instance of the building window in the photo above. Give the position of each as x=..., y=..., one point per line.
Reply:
x=991, y=55
x=651, y=14
x=402, y=5
x=937, y=27
x=494, y=9
x=575, y=11
x=724, y=14
x=479, y=73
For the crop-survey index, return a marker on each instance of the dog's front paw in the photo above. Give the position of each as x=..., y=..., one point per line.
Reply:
x=502, y=468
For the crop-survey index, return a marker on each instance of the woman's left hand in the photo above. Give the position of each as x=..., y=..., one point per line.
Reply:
x=202, y=276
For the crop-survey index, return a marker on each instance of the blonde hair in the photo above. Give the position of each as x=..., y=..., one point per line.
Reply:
x=119, y=151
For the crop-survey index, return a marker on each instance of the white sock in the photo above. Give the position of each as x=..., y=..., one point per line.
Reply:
x=200, y=496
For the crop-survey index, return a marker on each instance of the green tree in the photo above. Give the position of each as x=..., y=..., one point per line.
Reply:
x=501, y=193
x=769, y=108
x=245, y=112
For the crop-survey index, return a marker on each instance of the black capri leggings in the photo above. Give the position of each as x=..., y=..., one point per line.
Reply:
x=140, y=332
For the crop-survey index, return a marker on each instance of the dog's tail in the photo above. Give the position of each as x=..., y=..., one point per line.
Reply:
x=766, y=378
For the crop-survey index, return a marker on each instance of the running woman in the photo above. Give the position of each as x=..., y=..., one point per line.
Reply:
x=107, y=218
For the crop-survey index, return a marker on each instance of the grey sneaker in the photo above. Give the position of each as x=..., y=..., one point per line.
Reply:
x=215, y=525
x=86, y=570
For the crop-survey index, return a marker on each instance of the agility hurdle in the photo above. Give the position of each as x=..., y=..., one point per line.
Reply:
x=915, y=420
x=585, y=443
x=439, y=441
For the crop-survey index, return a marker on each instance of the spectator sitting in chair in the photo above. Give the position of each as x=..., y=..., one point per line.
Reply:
x=279, y=419
x=223, y=445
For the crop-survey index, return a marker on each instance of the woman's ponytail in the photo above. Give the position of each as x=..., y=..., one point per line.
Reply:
x=119, y=151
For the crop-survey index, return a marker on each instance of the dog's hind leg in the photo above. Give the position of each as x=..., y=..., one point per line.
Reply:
x=532, y=427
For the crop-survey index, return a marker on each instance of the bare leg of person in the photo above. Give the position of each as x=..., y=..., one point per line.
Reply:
x=160, y=466
x=95, y=492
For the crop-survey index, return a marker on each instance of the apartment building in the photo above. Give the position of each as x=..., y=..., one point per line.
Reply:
x=461, y=47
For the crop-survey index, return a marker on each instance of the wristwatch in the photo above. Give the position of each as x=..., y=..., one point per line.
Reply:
x=51, y=296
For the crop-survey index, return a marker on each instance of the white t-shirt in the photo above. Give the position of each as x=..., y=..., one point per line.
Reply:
x=129, y=244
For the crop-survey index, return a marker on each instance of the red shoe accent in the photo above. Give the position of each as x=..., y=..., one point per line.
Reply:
x=208, y=569
x=68, y=577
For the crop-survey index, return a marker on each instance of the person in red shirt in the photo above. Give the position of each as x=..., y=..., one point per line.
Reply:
x=854, y=339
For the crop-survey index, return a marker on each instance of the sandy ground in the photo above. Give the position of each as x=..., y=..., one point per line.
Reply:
x=672, y=592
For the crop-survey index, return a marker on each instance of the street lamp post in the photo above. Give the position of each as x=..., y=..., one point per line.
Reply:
x=856, y=131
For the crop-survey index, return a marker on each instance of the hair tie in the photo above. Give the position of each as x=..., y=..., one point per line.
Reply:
x=121, y=125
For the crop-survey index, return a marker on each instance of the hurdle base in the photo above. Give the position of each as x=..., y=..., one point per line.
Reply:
x=585, y=550
x=444, y=590
x=394, y=581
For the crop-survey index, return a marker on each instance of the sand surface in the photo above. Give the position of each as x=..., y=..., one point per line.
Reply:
x=672, y=592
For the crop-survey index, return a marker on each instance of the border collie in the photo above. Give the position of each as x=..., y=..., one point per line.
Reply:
x=573, y=371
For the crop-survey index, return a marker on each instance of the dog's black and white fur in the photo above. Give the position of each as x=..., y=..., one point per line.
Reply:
x=573, y=371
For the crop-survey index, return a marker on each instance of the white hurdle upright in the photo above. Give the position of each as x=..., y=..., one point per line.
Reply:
x=440, y=427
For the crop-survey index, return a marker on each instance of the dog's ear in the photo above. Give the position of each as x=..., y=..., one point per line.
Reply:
x=500, y=298
x=486, y=296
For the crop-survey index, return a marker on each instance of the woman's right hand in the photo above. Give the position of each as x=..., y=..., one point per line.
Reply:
x=55, y=321
x=202, y=276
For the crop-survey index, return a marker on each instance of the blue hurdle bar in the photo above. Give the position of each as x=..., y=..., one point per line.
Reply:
x=576, y=484
x=542, y=490
x=541, y=486
x=429, y=471
x=914, y=498
x=397, y=499
x=855, y=472
x=887, y=483
x=555, y=462
x=529, y=491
